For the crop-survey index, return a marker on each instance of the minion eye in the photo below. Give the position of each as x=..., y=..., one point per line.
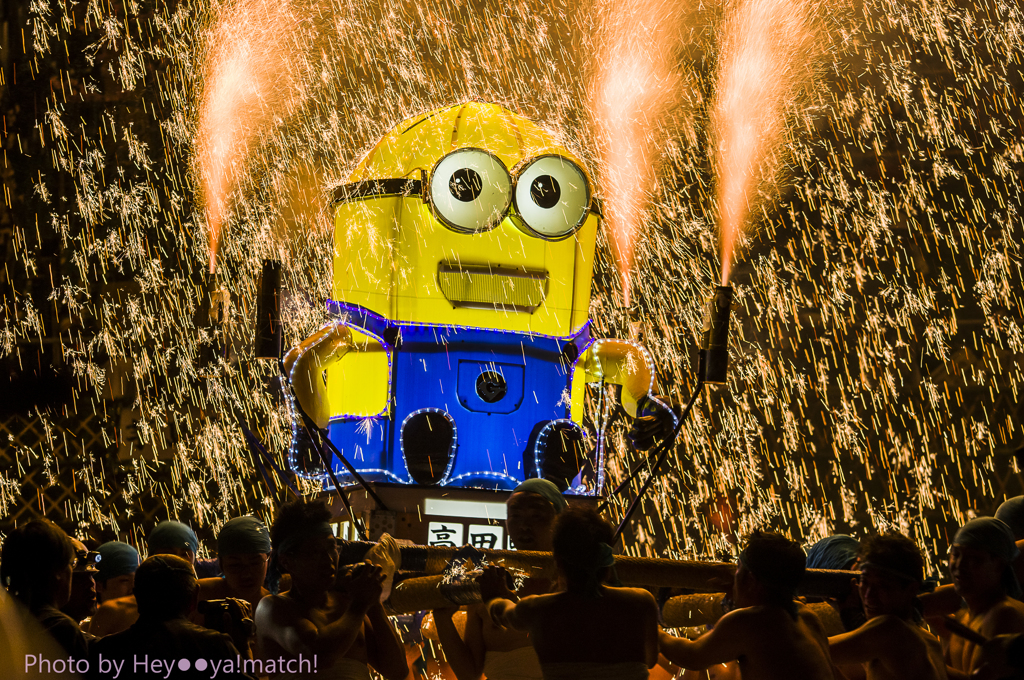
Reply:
x=552, y=197
x=470, y=191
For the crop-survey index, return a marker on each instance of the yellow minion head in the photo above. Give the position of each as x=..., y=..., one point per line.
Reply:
x=468, y=215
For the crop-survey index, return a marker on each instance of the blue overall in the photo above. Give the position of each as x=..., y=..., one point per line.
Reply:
x=440, y=368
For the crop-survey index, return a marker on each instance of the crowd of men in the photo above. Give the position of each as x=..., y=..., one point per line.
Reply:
x=276, y=603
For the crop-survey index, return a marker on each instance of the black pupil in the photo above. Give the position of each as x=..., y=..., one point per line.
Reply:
x=465, y=185
x=545, y=191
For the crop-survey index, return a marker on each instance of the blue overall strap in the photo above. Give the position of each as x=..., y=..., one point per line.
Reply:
x=359, y=318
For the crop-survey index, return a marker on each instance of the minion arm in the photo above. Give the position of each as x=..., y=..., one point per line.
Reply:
x=305, y=366
x=620, y=362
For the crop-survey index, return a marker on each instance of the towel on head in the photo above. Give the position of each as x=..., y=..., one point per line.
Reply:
x=243, y=535
x=116, y=559
x=996, y=538
x=548, y=490
x=1012, y=512
x=170, y=535
x=833, y=552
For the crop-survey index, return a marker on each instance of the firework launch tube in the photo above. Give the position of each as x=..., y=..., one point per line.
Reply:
x=715, y=352
x=267, y=343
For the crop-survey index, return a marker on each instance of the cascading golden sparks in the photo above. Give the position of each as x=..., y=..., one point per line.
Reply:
x=762, y=67
x=250, y=85
x=635, y=86
x=882, y=353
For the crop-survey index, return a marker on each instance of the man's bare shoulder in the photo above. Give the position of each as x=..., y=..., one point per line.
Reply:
x=1005, y=617
x=889, y=628
x=810, y=619
x=113, y=616
x=276, y=606
x=639, y=596
x=755, y=613
x=537, y=602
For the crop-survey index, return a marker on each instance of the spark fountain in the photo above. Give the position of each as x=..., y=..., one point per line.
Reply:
x=636, y=84
x=762, y=69
x=881, y=348
x=250, y=86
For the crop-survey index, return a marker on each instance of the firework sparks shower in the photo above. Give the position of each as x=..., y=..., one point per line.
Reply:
x=635, y=84
x=254, y=54
x=762, y=66
x=878, y=366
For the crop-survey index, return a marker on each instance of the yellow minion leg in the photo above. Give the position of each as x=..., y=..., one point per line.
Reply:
x=307, y=363
x=618, y=362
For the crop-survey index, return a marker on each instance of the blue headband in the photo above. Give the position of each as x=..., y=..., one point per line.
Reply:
x=116, y=559
x=243, y=535
x=996, y=538
x=1012, y=512
x=170, y=535
x=833, y=552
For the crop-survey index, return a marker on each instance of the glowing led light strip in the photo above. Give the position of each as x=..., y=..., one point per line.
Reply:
x=444, y=507
x=545, y=432
x=451, y=449
x=491, y=475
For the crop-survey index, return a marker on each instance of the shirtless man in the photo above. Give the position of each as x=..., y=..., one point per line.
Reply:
x=114, y=583
x=167, y=593
x=167, y=538
x=501, y=652
x=586, y=629
x=341, y=620
x=771, y=635
x=981, y=560
x=892, y=645
x=243, y=547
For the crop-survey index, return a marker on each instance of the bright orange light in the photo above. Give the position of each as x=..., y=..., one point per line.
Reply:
x=762, y=65
x=635, y=85
x=250, y=86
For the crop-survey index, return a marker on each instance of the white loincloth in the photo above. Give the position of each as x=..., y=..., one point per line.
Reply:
x=631, y=670
x=518, y=664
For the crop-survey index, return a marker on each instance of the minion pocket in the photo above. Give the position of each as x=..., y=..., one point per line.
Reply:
x=490, y=387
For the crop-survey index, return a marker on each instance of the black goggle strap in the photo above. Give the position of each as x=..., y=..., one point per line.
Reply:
x=403, y=187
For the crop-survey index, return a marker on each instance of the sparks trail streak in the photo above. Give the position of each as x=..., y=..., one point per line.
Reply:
x=862, y=400
x=250, y=86
x=761, y=69
x=634, y=86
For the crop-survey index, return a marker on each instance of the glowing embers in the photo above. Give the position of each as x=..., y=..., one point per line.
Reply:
x=487, y=287
x=428, y=440
x=564, y=455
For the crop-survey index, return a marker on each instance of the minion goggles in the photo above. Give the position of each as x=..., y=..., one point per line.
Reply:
x=471, y=191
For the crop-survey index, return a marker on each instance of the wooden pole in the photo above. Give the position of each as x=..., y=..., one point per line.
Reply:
x=632, y=571
x=423, y=593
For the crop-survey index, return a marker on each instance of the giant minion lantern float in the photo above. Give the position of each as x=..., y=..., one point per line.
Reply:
x=461, y=347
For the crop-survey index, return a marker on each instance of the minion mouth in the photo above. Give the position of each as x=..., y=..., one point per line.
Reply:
x=489, y=287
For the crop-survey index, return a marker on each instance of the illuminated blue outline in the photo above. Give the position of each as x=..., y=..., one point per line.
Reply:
x=492, y=475
x=341, y=308
x=451, y=449
x=545, y=432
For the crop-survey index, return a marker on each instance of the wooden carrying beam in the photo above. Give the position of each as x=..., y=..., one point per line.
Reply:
x=422, y=593
x=632, y=571
x=702, y=609
x=683, y=611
